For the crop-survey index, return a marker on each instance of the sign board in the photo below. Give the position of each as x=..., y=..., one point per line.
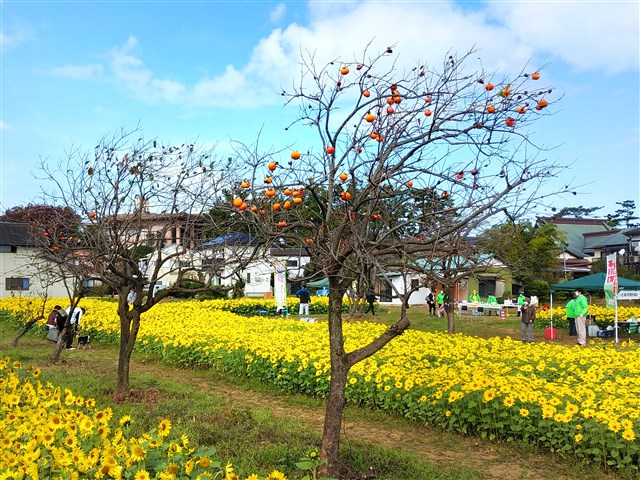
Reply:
x=280, y=286
x=611, y=281
x=629, y=295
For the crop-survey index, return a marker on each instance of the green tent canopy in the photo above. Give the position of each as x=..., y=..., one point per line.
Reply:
x=322, y=283
x=595, y=282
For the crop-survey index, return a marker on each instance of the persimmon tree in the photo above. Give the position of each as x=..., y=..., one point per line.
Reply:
x=393, y=164
x=143, y=207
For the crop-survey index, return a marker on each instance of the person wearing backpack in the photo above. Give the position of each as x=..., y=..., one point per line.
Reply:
x=61, y=318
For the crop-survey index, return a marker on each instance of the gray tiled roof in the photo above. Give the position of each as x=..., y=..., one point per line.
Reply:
x=15, y=234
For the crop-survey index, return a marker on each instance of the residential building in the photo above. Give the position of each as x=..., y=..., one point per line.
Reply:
x=22, y=270
x=587, y=240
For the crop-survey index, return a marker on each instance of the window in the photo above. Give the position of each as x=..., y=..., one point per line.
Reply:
x=415, y=283
x=8, y=249
x=17, y=284
x=292, y=263
x=486, y=288
x=248, y=277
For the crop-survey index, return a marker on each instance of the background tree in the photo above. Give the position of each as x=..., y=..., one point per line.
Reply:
x=530, y=251
x=575, y=212
x=386, y=139
x=135, y=196
x=625, y=216
x=55, y=218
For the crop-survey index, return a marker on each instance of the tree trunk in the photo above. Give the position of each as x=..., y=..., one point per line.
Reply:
x=330, y=449
x=62, y=342
x=129, y=326
x=449, y=311
x=25, y=329
x=451, y=320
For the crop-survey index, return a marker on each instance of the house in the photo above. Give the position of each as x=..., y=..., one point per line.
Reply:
x=258, y=275
x=228, y=258
x=488, y=275
x=161, y=229
x=588, y=240
x=22, y=271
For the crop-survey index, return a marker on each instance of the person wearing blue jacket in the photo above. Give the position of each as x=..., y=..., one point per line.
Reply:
x=304, y=295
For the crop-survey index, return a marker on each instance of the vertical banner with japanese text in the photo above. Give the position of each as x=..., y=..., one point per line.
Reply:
x=611, y=281
x=280, y=286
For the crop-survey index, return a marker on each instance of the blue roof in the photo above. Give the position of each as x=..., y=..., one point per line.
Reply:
x=238, y=238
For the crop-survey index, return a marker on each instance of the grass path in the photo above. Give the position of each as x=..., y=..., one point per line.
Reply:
x=489, y=459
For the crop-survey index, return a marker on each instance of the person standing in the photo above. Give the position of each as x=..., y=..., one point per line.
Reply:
x=571, y=316
x=371, y=298
x=304, y=295
x=431, y=301
x=582, y=309
x=520, y=302
x=442, y=298
x=527, y=318
x=131, y=297
x=492, y=300
x=74, y=324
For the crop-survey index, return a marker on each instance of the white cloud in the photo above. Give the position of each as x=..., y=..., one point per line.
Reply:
x=130, y=73
x=4, y=126
x=78, y=72
x=276, y=15
x=15, y=37
x=587, y=36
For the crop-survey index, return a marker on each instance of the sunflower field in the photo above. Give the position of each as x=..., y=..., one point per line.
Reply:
x=603, y=316
x=48, y=432
x=579, y=402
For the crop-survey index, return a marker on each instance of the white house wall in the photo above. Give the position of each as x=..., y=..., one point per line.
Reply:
x=258, y=272
x=25, y=264
x=418, y=297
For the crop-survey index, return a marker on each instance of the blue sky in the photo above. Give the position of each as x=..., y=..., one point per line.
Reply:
x=72, y=72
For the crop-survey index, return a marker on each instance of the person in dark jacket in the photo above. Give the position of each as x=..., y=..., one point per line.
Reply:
x=371, y=299
x=52, y=319
x=304, y=295
x=431, y=301
x=527, y=318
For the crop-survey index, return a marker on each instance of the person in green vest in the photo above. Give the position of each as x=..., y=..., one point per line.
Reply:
x=521, y=300
x=441, y=298
x=474, y=297
x=571, y=316
x=492, y=300
x=582, y=309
